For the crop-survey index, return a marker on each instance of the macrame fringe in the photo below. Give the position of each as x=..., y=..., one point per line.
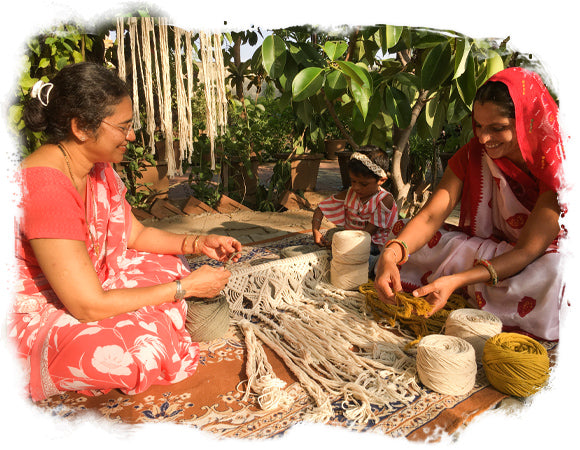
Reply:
x=322, y=334
x=121, y=48
x=150, y=66
x=148, y=27
x=213, y=77
x=133, y=39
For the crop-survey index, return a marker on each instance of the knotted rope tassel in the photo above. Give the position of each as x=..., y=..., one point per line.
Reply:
x=516, y=364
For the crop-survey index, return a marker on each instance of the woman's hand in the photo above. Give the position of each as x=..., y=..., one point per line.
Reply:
x=438, y=292
x=387, y=279
x=205, y=282
x=218, y=247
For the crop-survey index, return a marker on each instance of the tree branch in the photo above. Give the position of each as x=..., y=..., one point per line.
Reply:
x=338, y=123
x=401, y=140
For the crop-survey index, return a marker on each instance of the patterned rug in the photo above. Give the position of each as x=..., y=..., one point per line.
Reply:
x=211, y=399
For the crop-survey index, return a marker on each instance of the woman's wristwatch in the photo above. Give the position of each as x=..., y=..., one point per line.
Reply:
x=180, y=292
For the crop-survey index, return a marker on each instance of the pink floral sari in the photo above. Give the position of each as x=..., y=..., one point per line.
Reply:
x=130, y=351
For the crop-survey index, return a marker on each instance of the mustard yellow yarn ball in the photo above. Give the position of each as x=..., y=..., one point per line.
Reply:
x=515, y=364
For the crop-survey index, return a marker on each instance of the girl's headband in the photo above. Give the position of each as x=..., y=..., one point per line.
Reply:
x=377, y=170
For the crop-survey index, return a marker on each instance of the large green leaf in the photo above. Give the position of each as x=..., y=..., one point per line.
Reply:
x=356, y=73
x=308, y=82
x=335, y=49
x=456, y=109
x=398, y=106
x=436, y=67
x=425, y=38
x=290, y=71
x=467, y=83
x=462, y=51
x=304, y=111
x=389, y=36
x=361, y=98
x=274, y=55
x=436, y=113
x=494, y=64
x=335, y=85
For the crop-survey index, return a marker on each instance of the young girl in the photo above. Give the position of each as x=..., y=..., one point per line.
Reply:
x=365, y=205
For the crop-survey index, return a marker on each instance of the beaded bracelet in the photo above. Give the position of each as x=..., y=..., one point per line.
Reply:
x=492, y=273
x=404, y=248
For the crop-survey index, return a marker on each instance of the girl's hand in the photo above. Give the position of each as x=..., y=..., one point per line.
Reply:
x=319, y=238
x=387, y=279
x=218, y=247
x=437, y=292
x=205, y=282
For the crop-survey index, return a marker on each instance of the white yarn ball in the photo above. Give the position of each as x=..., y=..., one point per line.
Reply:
x=351, y=246
x=446, y=364
x=348, y=276
x=473, y=325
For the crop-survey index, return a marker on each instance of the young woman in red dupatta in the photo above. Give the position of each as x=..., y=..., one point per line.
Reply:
x=99, y=297
x=507, y=178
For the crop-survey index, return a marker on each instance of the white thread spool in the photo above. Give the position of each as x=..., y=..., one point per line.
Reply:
x=473, y=325
x=349, y=267
x=446, y=364
x=348, y=276
x=351, y=246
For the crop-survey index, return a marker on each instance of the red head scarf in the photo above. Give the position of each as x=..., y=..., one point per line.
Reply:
x=537, y=127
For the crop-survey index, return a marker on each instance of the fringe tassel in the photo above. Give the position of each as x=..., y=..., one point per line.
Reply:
x=323, y=335
x=134, y=43
x=121, y=48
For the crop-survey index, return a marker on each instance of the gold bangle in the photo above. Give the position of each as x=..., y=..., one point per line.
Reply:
x=183, y=244
x=492, y=272
x=194, y=245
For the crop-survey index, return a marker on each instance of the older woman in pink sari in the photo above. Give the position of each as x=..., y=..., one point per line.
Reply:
x=505, y=252
x=99, y=297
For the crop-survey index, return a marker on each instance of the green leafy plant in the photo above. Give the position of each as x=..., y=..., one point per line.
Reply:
x=386, y=82
x=46, y=54
x=268, y=198
x=131, y=171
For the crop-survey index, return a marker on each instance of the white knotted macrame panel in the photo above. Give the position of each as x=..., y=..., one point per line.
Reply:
x=324, y=336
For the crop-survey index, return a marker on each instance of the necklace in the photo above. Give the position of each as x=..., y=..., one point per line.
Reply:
x=89, y=188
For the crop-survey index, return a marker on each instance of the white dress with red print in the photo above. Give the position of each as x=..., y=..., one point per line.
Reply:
x=352, y=214
x=130, y=351
x=528, y=301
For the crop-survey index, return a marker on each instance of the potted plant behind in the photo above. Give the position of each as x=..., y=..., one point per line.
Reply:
x=304, y=168
x=334, y=142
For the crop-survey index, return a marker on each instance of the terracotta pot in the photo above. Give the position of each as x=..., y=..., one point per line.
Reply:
x=155, y=175
x=333, y=146
x=304, y=171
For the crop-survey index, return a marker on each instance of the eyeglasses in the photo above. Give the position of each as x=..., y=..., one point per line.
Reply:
x=125, y=130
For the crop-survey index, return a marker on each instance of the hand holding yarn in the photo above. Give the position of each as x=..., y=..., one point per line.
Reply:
x=205, y=282
x=219, y=248
x=438, y=292
x=389, y=283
